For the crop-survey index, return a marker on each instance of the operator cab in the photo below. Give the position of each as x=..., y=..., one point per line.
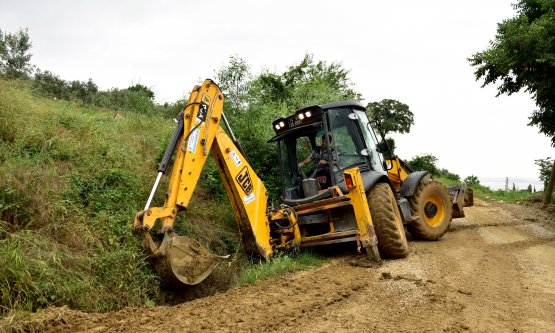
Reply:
x=307, y=166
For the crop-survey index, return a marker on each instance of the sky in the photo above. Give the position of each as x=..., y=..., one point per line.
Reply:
x=412, y=51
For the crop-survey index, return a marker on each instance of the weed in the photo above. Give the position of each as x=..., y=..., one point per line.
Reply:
x=487, y=193
x=279, y=264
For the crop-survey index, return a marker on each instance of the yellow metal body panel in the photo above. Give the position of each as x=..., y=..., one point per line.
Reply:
x=201, y=117
x=247, y=194
x=359, y=202
x=355, y=199
x=201, y=124
x=397, y=174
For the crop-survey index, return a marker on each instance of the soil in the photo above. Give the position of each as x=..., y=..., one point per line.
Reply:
x=492, y=271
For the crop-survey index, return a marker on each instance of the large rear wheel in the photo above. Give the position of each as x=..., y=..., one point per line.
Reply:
x=392, y=241
x=431, y=209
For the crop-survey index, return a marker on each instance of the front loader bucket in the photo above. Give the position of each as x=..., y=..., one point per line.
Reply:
x=181, y=260
x=461, y=197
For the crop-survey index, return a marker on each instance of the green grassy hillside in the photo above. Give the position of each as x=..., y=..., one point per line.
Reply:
x=71, y=180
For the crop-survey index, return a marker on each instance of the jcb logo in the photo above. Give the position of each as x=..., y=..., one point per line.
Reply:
x=203, y=109
x=244, y=179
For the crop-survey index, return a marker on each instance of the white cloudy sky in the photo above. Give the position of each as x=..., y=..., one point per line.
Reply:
x=413, y=51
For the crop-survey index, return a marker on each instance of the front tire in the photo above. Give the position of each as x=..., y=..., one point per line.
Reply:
x=432, y=210
x=392, y=241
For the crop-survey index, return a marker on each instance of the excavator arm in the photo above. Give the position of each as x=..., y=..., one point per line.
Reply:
x=180, y=259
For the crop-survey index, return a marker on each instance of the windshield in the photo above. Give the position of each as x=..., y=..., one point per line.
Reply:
x=354, y=144
x=370, y=141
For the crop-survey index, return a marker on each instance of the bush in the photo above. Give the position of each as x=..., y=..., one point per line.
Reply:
x=170, y=110
x=137, y=98
x=15, y=208
x=279, y=264
x=425, y=162
x=449, y=175
x=471, y=181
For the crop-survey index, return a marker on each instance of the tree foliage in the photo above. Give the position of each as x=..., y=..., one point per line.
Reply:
x=426, y=162
x=234, y=79
x=137, y=98
x=391, y=115
x=522, y=56
x=143, y=90
x=14, y=54
x=255, y=100
x=544, y=166
x=471, y=181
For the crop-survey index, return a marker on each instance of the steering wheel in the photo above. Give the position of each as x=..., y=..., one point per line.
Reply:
x=318, y=168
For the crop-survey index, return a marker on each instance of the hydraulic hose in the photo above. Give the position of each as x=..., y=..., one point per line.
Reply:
x=172, y=144
x=169, y=151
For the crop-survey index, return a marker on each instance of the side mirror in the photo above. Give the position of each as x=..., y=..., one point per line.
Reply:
x=382, y=147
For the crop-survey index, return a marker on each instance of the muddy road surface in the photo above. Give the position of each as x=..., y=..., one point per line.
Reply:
x=494, y=271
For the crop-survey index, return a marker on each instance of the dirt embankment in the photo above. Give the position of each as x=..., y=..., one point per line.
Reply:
x=493, y=271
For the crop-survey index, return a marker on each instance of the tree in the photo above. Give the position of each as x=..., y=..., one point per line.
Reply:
x=391, y=115
x=3, y=49
x=425, y=162
x=544, y=165
x=14, y=54
x=144, y=90
x=471, y=181
x=234, y=80
x=547, y=174
x=523, y=57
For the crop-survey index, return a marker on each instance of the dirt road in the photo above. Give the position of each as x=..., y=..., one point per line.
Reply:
x=494, y=271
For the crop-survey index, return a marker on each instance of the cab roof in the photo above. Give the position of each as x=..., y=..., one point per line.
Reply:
x=308, y=116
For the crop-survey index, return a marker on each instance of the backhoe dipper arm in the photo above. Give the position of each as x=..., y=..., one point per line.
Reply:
x=201, y=134
x=247, y=194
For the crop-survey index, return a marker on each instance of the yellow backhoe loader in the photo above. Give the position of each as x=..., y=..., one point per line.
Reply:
x=335, y=192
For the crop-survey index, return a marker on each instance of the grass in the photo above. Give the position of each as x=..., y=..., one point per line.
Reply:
x=71, y=180
x=278, y=265
x=484, y=192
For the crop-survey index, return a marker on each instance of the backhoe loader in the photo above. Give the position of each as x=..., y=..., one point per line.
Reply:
x=343, y=195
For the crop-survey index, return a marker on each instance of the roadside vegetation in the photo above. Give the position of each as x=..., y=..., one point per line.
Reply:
x=429, y=162
x=282, y=263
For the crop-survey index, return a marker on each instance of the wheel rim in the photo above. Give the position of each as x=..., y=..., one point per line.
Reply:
x=434, y=210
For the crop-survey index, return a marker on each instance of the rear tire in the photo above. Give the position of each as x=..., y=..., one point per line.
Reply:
x=432, y=208
x=392, y=241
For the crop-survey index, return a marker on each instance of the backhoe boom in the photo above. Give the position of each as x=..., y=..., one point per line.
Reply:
x=198, y=132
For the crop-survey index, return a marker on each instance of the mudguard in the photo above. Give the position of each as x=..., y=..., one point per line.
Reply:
x=410, y=184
